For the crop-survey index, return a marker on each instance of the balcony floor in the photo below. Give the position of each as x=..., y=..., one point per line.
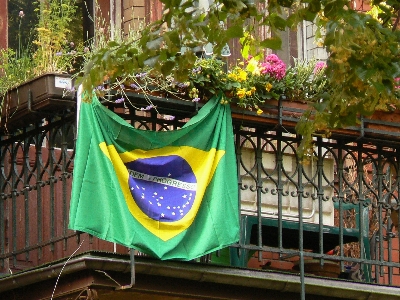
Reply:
x=95, y=275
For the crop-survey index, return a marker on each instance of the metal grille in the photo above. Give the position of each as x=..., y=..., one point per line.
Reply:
x=340, y=207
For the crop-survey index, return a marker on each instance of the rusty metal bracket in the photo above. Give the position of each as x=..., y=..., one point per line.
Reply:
x=124, y=287
x=87, y=294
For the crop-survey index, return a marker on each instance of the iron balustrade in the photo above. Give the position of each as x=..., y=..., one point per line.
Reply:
x=348, y=191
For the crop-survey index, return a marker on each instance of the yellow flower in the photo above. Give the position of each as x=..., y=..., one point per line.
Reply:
x=241, y=93
x=259, y=111
x=268, y=86
x=251, y=91
x=224, y=101
x=232, y=76
x=253, y=67
x=242, y=76
x=194, y=93
x=42, y=29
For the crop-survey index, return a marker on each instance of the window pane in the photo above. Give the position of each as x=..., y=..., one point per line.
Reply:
x=21, y=27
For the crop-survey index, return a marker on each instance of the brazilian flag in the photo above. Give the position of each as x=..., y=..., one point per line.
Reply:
x=171, y=194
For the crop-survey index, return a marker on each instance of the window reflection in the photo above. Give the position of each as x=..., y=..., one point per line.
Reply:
x=23, y=18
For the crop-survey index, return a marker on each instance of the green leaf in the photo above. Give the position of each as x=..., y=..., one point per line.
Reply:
x=167, y=67
x=314, y=6
x=112, y=44
x=285, y=3
x=320, y=106
x=245, y=50
x=330, y=9
x=307, y=15
x=277, y=21
x=378, y=86
x=155, y=44
x=235, y=31
x=274, y=43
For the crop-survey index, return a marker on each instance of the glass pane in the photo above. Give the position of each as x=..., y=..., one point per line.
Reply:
x=21, y=25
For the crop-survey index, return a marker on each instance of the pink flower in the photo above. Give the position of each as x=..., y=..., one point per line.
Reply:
x=397, y=83
x=274, y=67
x=319, y=66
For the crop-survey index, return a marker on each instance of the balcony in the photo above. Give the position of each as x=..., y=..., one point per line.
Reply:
x=327, y=228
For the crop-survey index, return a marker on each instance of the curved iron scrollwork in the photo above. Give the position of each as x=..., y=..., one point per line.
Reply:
x=37, y=168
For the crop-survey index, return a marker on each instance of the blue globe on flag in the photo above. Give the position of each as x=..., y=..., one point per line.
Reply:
x=163, y=187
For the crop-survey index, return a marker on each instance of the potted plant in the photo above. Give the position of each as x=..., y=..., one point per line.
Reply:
x=36, y=79
x=254, y=84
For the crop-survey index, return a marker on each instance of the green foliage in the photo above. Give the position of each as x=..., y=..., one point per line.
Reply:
x=12, y=66
x=363, y=51
x=249, y=84
x=53, y=46
x=362, y=67
x=306, y=81
x=114, y=57
x=49, y=48
x=208, y=77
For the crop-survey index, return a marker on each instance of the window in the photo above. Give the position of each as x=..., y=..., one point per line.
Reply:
x=23, y=18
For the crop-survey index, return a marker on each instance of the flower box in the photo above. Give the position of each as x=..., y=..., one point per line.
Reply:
x=385, y=124
x=287, y=113
x=37, y=98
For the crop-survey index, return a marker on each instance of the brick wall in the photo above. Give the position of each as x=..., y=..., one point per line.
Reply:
x=3, y=24
x=136, y=12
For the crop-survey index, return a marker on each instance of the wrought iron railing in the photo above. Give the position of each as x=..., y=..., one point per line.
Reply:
x=340, y=209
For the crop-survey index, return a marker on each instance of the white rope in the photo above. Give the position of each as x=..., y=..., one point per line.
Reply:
x=59, y=275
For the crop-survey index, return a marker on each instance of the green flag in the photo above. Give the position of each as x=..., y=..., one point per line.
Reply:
x=170, y=194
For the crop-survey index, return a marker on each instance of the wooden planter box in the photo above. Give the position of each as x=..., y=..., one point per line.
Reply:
x=285, y=113
x=37, y=98
x=381, y=125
